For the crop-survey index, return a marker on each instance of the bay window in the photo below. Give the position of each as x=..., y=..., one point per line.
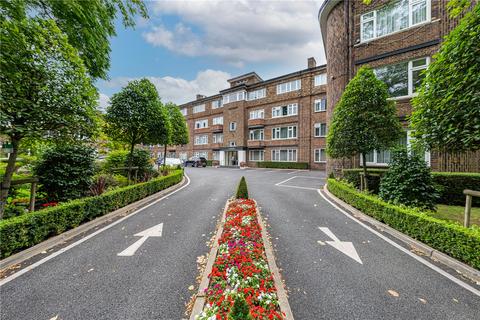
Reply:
x=393, y=17
x=257, y=114
x=288, y=155
x=217, y=120
x=256, y=134
x=289, y=132
x=257, y=94
x=285, y=111
x=233, y=97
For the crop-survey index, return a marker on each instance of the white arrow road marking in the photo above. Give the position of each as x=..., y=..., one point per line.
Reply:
x=343, y=246
x=155, y=231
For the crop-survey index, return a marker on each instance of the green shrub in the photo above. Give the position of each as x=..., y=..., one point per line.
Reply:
x=140, y=159
x=101, y=183
x=27, y=230
x=65, y=172
x=450, y=238
x=209, y=163
x=240, y=310
x=282, y=165
x=450, y=186
x=242, y=190
x=375, y=175
x=13, y=211
x=408, y=182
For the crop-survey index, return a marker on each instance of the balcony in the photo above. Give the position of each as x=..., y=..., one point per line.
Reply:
x=217, y=128
x=256, y=122
x=255, y=143
x=202, y=130
x=216, y=145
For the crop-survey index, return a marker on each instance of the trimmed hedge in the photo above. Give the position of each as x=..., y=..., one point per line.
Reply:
x=242, y=190
x=282, y=165
x=450, y=186
x=450, y=238
x=27, y=230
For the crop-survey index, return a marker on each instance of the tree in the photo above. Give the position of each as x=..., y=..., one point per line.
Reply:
x=136, y=116
x=45, y=90
x=364, y=119
x=408, y=181
x=65, y=172
x=446, y=112
x=89, y=24
x=179, y=134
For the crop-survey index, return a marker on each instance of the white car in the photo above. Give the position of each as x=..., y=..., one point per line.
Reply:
x=172, y=162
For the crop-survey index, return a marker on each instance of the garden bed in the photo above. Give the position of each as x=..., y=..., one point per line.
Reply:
x=240, y=272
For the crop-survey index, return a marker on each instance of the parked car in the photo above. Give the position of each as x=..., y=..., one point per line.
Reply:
x=170, y=162
x=196, y=162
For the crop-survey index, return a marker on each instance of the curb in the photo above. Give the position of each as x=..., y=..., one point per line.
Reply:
x=277, y=279
x=418, y=246
x=281, y=293
x=43, y=246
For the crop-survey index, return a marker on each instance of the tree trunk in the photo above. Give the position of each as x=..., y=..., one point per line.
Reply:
x=7, y=179
x=165, y=157
x=365, y=179
x=130, y=161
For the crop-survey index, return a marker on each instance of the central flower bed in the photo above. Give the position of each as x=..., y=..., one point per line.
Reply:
x=240, y=273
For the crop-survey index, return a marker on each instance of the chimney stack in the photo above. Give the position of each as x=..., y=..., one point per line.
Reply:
x=312, y=63
x=200, y=96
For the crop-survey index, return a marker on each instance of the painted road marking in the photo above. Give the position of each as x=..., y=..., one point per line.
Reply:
x=345, y=247
x=282, y=183
x=73, y=245
x=155, y=231
x=406, y=251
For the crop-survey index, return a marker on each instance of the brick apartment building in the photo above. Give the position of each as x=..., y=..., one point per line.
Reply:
x=280, y=119
x=397, y=38
x=286, y=118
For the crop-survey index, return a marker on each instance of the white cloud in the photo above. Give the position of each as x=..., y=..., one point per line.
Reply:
x=179, y=90
x=241, y=31
x=103, y=102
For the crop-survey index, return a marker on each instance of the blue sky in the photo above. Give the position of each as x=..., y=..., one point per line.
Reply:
x=190, y=47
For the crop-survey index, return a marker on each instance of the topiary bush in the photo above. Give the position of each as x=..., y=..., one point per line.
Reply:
x=65, y=172
x=408, y=182
x=240, y=310
x=242, y=190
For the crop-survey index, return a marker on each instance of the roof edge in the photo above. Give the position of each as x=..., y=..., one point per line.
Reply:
x=323, y=13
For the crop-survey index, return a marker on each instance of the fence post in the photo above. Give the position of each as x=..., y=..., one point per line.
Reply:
x=468, y=209
x=33, y=190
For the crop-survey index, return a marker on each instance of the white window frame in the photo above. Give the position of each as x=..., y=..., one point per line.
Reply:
x=184, y=111
x=234, y=96
x=203, y=154
x=318, y=152
x=320, y=79
x=251, y=136
x=201, y=124
x=411, y=3
x=261, y=154
x=257, y=94
x=290, y=86
x=257, y=114
x=292, y=133
x=217, y=120
x=290, y=155
x=232, y=126
x=319, y=126
x=217, y=138
x=201, y=139
x=320, y=105
x=217, y=104
x=199, y=108
x=216, y=155
x=232, y=144
x=292, y=110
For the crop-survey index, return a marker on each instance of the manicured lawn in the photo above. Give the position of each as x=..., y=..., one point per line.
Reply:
x=456, y=213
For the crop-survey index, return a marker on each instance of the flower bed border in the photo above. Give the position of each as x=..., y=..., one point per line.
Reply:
x=200, y=297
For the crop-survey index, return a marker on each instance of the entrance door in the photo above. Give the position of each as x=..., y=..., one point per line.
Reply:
x=231, y=158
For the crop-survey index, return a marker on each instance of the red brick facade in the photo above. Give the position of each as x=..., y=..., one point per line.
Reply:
x=340, y=22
